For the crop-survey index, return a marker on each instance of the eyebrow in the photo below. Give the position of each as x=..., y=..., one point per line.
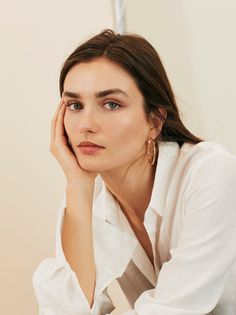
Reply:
x=99, y=94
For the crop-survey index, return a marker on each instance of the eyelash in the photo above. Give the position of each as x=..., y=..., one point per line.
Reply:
x=74, y=110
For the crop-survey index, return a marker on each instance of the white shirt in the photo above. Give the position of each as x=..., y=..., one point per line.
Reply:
x=191, y=223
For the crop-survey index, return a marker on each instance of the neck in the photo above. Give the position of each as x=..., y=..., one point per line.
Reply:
x=131, y=185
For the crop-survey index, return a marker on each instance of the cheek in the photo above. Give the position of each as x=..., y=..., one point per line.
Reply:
x=127, y=130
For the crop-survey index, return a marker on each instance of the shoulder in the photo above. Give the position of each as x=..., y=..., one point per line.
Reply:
x=205, y=149
x=209, y=175
x=206, y=155
x=204, y=162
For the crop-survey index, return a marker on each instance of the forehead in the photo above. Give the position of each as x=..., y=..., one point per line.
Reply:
x=99, y=74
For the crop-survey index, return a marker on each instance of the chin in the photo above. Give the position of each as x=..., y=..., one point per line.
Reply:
x=92, y=167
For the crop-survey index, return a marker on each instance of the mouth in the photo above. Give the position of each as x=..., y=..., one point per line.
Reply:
x=89, y=144
x=90, y=149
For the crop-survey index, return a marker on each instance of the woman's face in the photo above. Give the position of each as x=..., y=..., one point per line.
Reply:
x=104, y=106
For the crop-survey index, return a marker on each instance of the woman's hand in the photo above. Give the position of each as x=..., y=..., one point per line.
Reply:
x=61, y=150
x=77, y=235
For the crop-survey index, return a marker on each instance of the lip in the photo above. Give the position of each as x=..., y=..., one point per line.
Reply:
x=90, y=150
x=88, y=144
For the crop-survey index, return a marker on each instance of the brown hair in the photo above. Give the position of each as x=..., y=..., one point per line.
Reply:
x=137, y=56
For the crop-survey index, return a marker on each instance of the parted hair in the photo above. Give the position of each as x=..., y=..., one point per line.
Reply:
x=138, y=57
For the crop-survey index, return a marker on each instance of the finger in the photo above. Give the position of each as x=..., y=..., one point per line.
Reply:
x=54, y=120
x=59, y=128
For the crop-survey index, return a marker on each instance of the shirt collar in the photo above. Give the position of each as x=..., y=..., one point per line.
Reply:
x=167, y=157
x=105, y=206
x=108, y=208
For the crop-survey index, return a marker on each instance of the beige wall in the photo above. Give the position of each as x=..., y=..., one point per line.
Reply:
x=196, y=40
x=196, y=43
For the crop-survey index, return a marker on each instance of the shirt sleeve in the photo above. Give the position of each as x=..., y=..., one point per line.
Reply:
x=57, y=288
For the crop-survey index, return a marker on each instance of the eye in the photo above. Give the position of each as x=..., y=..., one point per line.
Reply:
x=74, y=106
x=112, y=105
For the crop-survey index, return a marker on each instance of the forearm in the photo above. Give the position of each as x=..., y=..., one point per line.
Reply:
x=77, y=240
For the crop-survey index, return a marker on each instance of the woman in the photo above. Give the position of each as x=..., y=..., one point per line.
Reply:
x=147, y=202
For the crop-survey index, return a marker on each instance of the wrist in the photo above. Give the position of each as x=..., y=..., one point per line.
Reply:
x=82, y=189
x=76, y=183
x=79, y=200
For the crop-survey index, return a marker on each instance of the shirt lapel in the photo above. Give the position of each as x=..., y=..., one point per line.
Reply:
x=113, y=246
x=115, y=223
x=167, y=157
x=115, y=243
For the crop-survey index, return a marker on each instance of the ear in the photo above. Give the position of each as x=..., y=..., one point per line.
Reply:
x=156, y=123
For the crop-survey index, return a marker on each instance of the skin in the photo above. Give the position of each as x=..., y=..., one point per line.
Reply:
x=123, y=131
x=117, y=122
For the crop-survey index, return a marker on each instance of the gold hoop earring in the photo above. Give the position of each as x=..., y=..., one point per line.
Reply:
x=151, y=146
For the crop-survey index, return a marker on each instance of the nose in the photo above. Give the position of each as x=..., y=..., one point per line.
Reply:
x=87, y=121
